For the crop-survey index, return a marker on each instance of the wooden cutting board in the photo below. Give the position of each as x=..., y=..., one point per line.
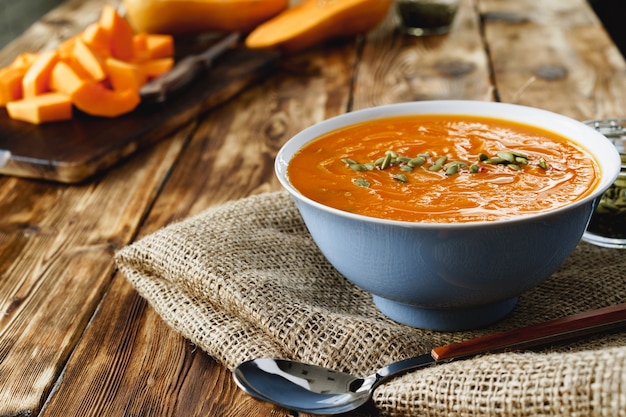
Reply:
x=73, y=151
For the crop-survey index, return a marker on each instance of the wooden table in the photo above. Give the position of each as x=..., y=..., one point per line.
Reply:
x=75, y=337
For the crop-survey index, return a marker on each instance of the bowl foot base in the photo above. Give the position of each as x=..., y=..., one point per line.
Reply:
x=445, y=319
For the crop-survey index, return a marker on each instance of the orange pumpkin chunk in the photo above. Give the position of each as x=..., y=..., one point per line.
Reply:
x=37, y=78
x=47, y=107
x=24, y=60
x=124, y=75
x=95, y=99
x=97, y=38
x=120, y=33
x=65, y=79
x=90, y=60
x=156, y=67
x=159, y=46
x=11, y=84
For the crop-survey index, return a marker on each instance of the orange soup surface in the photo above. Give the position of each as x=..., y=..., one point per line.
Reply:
x=443, y=169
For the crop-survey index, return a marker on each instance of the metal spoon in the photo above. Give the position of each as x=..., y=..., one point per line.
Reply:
x=317, y=390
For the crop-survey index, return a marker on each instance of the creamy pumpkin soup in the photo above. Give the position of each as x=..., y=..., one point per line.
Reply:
x=443, y=169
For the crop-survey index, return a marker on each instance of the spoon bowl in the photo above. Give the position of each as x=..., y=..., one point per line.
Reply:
x=303, y=387
x=317, y=390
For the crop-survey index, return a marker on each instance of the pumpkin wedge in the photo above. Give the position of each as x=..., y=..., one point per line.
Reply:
x=46, y=107
x=313, y=21
x=95, y=99
x=37, y=77
x=178, y=17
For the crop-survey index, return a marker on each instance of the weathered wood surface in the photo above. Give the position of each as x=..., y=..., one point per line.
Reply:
x=76, y=339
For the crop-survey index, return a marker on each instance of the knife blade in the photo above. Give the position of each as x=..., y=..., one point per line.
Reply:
x=185, y=71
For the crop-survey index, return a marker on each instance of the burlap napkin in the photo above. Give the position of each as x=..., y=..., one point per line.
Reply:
x=245, y=280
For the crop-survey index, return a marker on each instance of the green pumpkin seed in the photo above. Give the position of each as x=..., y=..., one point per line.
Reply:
x=474, y=168
x=440, y=161
x=495, y=160
x=416, y=162
x=452, y=169
x=349, y=161
x=400, y=177
x=507, y=156
x=361, y=182
x=386, y=161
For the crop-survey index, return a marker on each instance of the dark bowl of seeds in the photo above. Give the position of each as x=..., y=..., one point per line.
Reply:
x=607, y=227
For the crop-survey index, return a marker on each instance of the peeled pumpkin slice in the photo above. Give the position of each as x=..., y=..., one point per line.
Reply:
x=37, y=77
x=124, y=75
x=313, y=21
x=95, y=99
x=65, y=79
x=182, y=17
x=11, y=84
x=24, y=60
x=156, y=67
x=119, y=32
x=47, y=107
x=96, y=37
x=89, y=60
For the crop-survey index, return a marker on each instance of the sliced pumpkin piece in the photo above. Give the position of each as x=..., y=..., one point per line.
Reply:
x=47, y=107
x=95, y=99
x=159, y=46
x=24, y=60
x=65, y=79
x=37, y=77
x=11, y=84
x=97, y=38
x=156, y=67
x=311, y=22
x=89, y=60
x=124, y=75
x=119, y=31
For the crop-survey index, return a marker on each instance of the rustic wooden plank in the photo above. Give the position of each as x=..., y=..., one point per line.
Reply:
x=554, y=55
x=396, y=67
x=56, y=251
x=128, y=361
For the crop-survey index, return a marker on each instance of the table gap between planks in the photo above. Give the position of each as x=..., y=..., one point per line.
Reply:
x=77, y=340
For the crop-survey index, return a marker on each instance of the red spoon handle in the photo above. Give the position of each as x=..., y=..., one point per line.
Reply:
x=535, y=335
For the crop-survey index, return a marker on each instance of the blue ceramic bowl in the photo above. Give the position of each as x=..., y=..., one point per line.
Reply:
x=450, y=276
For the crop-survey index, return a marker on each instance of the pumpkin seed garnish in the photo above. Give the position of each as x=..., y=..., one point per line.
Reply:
x=400, y=177
x=357, y=167
x=361, y=182
x=513, y=160
x=452, y=169
x=416, y=162
x=506, y=156
x=386, y=161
